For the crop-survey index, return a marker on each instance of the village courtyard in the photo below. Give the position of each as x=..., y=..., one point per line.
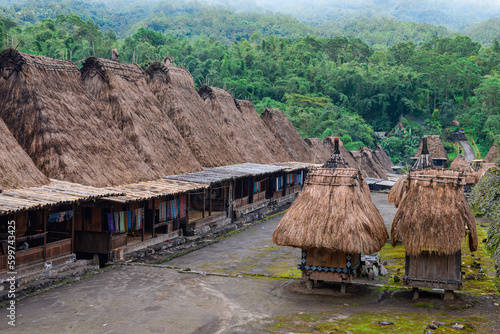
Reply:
x=246, y=284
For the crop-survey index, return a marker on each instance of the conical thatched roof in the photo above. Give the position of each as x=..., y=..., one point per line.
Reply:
x=63, y=129
x=235, y=130
x=334, y=211
x=369, y=165
x=435, y=147
x=482, y=170
x=277, y=122
x=266, y=137
x=123, y=91
x=461, y=164
x=328, y=143
x=382, y=158
x=320, y=152
x=493, y=155
x=433, y=212
x=174, y=89
x=16, y=168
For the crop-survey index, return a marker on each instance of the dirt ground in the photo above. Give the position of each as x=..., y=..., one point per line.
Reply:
x=238, y=285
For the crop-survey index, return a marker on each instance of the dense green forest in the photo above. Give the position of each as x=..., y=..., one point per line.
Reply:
x=326, y=85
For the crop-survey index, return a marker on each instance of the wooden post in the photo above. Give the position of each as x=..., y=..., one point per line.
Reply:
x=143, y=213
x=154, y=219
x=224, y=205
x=44, y=234
x=415, y=293
x=309, y=284
x=204, y=195
x=209, y=202
x=73, y=230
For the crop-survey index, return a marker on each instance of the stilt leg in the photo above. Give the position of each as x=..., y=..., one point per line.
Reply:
x=449, y=295
x=342, y=287
x=309, y=284
x=415, y=293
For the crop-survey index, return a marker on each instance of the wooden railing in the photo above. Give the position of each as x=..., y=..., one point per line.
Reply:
x=98, y=242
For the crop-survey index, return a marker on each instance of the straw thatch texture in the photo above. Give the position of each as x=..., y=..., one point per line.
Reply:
x=493, y=155
x=234, y=128
x=433, y=212
x=63, y=129
x=328, y=142
x=320, y=152
x=435, y=147
x=461, y=164
x=250, y=116
x=123, y=91
x=334, y=211
x=482, y=170
x=369, y=165
x=383, y=159
x=277, y=122
x=174, y=89
x=16, y=168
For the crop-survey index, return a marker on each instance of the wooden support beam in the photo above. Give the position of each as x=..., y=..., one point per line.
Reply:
x=45, y=234
x=73, y=229
x=154, y=219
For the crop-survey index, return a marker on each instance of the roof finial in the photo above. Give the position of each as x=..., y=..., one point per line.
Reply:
x=115, y=54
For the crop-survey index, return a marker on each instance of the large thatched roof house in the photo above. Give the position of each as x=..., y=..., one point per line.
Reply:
x=266, y=137
x=61, y=127
x=123, y=91
x=383, y=159
x=432, y=220
x=174, y=88
x=493, y=155
x=277, y=122
x=368, y=163
x=320, y=151
x=334, y=221
x=234, y=127
x=16, y=168
x=436, y=151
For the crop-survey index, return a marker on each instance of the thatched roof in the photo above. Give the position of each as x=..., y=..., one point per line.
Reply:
x=16, y=168
x=435, y=147
x=320, y=152
x=483, y=169
x=63, y=129
x=433, y=213
x=334, y=211
x=52, y=194
x=328, y=142
x=369, y=165
x=266, y=137
x=382, y=158
x=174, y=89
x=234, y=128
x=493, y=155
x=277, y=122
x=123, y=91
x=461, y=164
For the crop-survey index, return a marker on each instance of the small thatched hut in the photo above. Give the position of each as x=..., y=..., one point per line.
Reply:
x=334, y=221
x=383, y=159
x=436, y=151
x=277, y=122
x=461, y=164
x=234, y=128
x=329, y=143
x=319, y=150
x=123, y=91
x=493, y=155
x=63, y=129
x=16, y=168
x=174, y=88
x=432, y=220
x=250, y=116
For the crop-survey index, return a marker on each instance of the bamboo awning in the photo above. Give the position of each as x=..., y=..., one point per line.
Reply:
x=292, y=166
x=55, y=193
x=142, y=191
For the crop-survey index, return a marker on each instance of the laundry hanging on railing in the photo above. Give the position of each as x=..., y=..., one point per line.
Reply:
x=279, y=183
x=173, y=209
x=60, y=217
x=131, y=220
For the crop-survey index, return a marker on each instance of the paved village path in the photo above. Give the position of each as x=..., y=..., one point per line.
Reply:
x=158, y=299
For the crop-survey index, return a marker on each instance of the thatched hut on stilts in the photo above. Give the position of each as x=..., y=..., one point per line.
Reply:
x=432, y=220
x=123, y=91
x=334, y=221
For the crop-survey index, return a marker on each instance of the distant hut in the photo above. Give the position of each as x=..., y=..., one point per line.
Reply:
x=250, y=116
x=17, y=169
x=236, y=131
x=320, y=151
x=329, y=143
x=334, y=221
x=482, y=170
x=436, y=151
x=432, y=220
x=277, y=122
x=63, y=129
x=174, y=88
x=460, y=164
x=493, y=155
x=383, y=159
x=369, y=165
x=123, y=91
